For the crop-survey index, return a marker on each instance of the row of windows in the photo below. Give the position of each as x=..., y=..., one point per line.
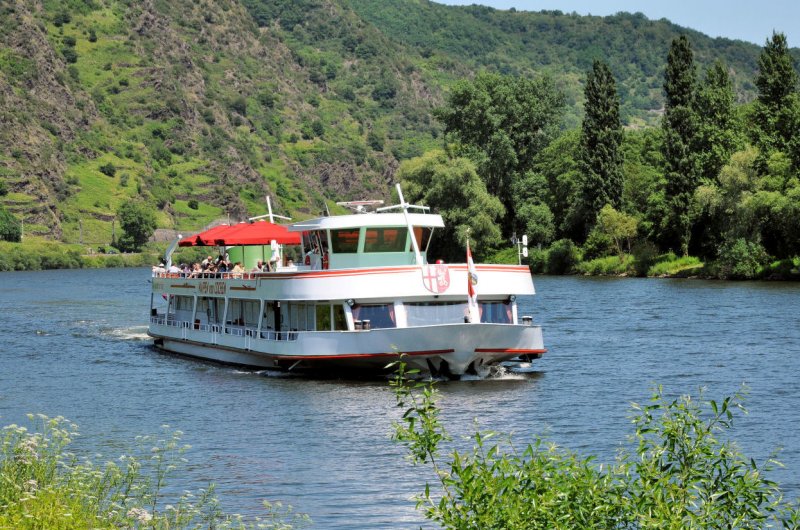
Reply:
x=390, y=239
x=294, y=316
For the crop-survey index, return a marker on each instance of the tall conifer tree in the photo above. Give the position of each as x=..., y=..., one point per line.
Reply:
x=679, y=126
x=777, y=108
x=601, y=136
x=716, y=138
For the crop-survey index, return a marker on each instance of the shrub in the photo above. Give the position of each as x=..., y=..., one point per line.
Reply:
x=193, y=204
x=239, y=105
x=740, y=260
x=537, y=260
x=70, y=55
x=92, y=35
x=597, y=245
x=10, y=227
x=108, y=169
x=681, y=473
x=645, y=254
x=3, y=188
x=61, y=18
x=562, y=257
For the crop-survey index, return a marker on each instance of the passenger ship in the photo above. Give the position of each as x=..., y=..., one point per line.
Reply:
x=362, y=295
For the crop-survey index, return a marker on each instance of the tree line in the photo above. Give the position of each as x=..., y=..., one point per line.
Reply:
x=719, y=180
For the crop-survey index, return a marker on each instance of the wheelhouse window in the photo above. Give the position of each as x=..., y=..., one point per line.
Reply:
x=385, y=239
x=423, y=235
x=379, y=315
x=344, y=241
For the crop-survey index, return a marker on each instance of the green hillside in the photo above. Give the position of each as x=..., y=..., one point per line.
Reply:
x=563, y=45
x=203, y=108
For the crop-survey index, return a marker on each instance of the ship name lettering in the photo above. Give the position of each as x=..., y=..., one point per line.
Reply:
x=212, y=287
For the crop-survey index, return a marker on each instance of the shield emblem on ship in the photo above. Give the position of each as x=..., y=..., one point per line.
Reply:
x=436, y=277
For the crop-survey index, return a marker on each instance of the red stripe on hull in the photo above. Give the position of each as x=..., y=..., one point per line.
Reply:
x=509, y=350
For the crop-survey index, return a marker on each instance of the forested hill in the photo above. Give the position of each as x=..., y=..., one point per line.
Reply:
x=564, y=45
x=200, y=108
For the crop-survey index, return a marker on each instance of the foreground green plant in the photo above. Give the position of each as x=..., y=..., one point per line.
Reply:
x=42, y=485
x=681, y=474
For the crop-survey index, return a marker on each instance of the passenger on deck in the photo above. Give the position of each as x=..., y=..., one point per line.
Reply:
x=259, y=267
x=237, y=270
x=196, y=270
x=173, y=269
x=159, y=268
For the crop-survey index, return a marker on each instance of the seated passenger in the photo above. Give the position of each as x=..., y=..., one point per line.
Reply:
x=237, y=270
x=157, y=269
x=259, y=267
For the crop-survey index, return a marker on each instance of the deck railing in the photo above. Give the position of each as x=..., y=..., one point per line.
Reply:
x=219, y=329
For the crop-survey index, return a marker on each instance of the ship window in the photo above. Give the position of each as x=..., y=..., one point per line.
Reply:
x=431, y=313
x=385, y=239
x=379, y=316
x=331, y=313
x=209, y=310
x=184, y=303
x=243, y=312
x=423, y=235
x=496, y=312
x=323, y=317
x=344, y=241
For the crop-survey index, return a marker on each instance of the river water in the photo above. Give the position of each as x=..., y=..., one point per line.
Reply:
x=73, y=343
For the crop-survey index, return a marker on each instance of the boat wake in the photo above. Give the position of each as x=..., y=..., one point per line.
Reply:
x=131, y=333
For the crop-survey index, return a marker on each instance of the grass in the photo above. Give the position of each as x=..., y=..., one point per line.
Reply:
x=44, y=485
x=671, y=265
x=607, y=266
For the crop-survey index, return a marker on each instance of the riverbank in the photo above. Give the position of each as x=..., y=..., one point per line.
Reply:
x=37, y=255
x=557, y=260
x=568, y=260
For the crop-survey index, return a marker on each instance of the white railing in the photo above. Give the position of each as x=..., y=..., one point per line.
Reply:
x=217, y=329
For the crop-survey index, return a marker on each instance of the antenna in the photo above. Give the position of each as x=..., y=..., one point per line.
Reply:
x=271, y=215
x=360, y=206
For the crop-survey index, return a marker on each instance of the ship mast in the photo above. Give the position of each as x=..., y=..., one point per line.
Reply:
x=405, y=206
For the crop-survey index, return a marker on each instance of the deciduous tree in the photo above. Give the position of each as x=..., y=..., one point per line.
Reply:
x=452, y=188
x=502, y=123
x=138, y=222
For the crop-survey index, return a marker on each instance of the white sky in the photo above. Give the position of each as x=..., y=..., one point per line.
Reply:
x=747, y=20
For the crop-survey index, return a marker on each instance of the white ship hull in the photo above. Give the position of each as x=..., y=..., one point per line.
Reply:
x=450, y=349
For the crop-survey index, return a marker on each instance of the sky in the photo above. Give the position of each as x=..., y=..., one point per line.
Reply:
x=748, y=20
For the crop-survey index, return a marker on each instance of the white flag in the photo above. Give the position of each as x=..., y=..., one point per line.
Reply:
x=472, y=294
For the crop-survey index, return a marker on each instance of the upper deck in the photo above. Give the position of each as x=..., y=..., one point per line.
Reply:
x=366, y=239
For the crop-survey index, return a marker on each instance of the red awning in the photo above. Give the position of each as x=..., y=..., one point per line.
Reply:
x=203, y=238
x=258, y=233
